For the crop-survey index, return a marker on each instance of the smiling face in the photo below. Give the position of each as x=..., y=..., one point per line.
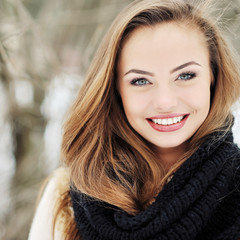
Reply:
x=164, y=80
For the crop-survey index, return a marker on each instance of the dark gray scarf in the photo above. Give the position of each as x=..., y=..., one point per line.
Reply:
x=202, y=201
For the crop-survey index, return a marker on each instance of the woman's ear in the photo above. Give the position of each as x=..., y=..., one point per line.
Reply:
x=116, y=83
x=117, y=92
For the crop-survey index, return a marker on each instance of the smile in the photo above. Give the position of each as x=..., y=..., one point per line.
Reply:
x=168, y=123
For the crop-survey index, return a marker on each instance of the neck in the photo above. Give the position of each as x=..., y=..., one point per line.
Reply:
x=169, y=156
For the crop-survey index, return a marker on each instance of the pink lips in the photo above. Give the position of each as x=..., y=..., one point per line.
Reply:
x=168, y=128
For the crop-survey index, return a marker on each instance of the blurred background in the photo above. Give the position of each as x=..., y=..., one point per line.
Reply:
x=45, y=49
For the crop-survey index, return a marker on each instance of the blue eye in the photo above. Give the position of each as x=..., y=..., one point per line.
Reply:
x=140, y=82
x=186, y=76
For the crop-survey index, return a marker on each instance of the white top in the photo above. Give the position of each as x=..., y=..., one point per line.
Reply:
x=42, y=224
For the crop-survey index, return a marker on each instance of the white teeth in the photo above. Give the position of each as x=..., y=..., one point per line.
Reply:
x=167, y=121
x=164, y=121
x=170, y=121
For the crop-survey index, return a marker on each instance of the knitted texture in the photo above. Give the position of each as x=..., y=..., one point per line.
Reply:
x=202, y=201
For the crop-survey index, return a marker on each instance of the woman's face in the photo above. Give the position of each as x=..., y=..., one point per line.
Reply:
x=164, y=80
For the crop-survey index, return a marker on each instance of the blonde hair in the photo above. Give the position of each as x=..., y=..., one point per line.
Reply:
x=107, y=159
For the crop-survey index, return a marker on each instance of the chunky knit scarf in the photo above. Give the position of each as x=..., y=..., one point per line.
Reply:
x=202, y=201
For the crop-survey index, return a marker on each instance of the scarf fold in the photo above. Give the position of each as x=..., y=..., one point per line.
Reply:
x=202, y=201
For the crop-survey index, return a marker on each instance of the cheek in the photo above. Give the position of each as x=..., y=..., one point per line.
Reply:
x=135, y=104
x=199, y=99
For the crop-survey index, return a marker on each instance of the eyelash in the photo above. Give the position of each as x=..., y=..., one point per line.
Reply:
x=190, y=75
x=134, y=82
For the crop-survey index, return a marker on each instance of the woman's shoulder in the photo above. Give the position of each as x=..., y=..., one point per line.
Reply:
x=235, y=163
x=54, y=194
x=61, y=180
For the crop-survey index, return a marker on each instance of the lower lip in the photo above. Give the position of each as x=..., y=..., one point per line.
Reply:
x=168, y=128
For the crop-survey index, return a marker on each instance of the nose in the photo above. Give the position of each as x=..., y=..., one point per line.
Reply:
x=165, y=98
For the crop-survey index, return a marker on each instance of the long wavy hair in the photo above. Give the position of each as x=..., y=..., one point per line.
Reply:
x=107, y=159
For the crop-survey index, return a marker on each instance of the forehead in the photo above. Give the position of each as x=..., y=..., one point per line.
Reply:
x=165, y=42
x=166, y=29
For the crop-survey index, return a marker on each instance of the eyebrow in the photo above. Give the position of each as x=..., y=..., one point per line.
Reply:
x=139, y=72
x=185, y=65
x=172, y=71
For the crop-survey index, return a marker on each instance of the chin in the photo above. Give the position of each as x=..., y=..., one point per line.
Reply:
x=171, y=144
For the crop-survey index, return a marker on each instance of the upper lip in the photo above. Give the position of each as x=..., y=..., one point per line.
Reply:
x=164, y=116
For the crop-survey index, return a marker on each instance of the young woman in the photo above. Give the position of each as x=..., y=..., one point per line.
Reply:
x=148, y=151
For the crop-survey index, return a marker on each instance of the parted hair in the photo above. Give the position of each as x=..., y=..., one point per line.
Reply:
x=107, y=159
